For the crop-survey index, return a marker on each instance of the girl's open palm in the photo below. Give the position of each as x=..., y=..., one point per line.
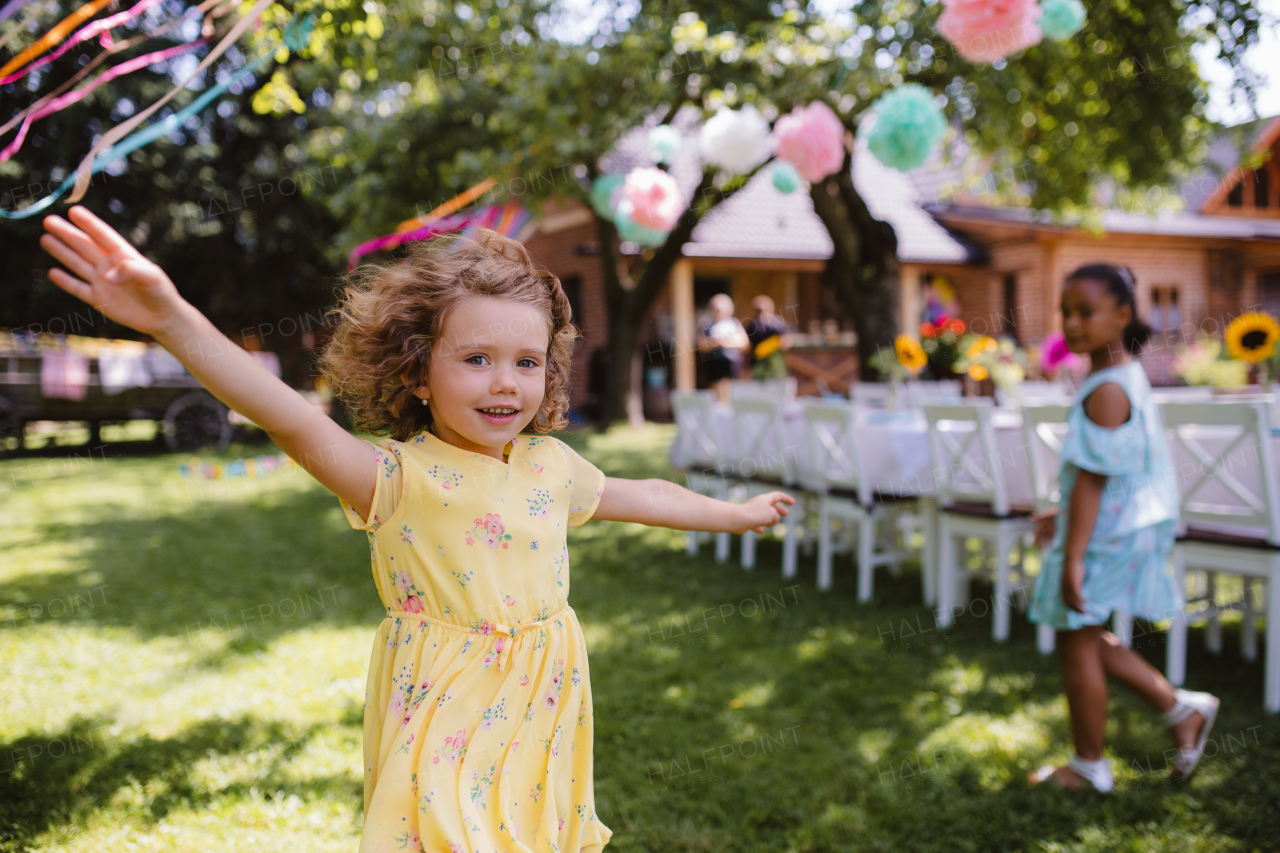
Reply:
x=108, y=273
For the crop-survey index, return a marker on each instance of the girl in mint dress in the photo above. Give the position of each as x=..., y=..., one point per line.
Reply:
x=1113, y=532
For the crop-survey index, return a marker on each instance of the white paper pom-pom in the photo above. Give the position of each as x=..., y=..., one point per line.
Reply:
x=736, y=140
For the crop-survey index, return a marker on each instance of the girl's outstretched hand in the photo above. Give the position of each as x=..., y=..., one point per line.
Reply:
x=764, y=511
x=108, y=273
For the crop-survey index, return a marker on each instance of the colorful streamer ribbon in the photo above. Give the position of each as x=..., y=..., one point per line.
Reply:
x=102, y=27
x=31, y=15
x=8, y=10
x=116, y=47
x=456, y=203
x=295, y=37
x=67, y=100
x=506, y=219
x=54, y=36
x=85, y=170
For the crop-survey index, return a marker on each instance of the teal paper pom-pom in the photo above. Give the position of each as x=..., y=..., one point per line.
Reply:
x=785, y=177
x=664, y=142
x=1061, y=19
x=604, y=194
x=909, y=125
x=631, y=232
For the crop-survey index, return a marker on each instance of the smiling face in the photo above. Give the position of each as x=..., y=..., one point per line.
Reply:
x=488, y=373
x=1092, y=319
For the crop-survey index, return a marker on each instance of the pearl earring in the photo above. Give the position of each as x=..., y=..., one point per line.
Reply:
x=424, y=401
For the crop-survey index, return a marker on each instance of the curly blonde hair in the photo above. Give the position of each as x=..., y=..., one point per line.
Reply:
x=389, y=319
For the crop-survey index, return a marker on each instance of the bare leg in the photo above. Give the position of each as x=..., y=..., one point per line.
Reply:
x=1085, y=680
x=1130, y=668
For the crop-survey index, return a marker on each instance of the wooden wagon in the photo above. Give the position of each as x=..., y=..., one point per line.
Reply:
x=190, y=417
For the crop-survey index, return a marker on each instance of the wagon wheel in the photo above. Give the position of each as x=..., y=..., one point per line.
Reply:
x=196, y=420
x=11, y=426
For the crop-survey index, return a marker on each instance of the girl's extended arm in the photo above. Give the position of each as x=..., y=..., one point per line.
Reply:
x=1108, y=406
x=117, y=280
x=661, y=503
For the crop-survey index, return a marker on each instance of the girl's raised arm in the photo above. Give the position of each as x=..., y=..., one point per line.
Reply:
x=112, y=276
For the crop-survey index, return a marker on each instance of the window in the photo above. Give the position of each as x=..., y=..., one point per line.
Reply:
x=1261, y=188
x=1269, y=292
x=1235, y=198
x=1009, y=319
x=1166, y=316
x=572, y=286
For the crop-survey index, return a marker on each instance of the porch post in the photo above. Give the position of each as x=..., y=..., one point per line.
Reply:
x=682, y=321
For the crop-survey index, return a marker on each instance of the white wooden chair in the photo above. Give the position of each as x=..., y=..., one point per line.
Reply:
x=1036, y=392
x=1182, y=394
x=834, y=475
x=942, y=392
x=771, y=389
x=701, y=452
x=873, y=395
x=1043, y=429
x=974, y=502
x=1230, y=511
x=764, y=461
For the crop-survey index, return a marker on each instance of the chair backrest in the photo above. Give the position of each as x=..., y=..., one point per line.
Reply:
x=696, y=444
x=1225, y=467
x=874, y=395
x=759, y=441
x=770, y=389
x=944, y=391
x=1036, y=392
x=963, y=453
x=834, y=454
x=1043, y=430
x=1182, y=394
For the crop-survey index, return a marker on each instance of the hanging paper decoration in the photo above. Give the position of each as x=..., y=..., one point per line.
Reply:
x=604, y=195
x=812, y=139
x=786, y=179
x=650, y=199
x=736, y=140
x=908, y=126
x=664, y=143
x=632, y=232
x=987, y=30
x=1061, y=19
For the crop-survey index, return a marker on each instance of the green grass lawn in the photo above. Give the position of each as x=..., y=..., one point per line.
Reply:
x=185, y=661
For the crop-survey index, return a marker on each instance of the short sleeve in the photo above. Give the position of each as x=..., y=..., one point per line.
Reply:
x=1111, y=451
x=386, y=491
x=586, y=486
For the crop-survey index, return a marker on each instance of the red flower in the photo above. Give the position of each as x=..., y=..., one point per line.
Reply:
x=957, y=326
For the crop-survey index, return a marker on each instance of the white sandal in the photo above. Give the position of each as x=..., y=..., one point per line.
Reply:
x=1187, y=702
x=1096, y=773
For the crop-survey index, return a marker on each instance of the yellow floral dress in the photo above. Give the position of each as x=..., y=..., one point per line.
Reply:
x=478, y=717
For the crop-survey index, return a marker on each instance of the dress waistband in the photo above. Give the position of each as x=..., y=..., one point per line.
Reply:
x=504, y=634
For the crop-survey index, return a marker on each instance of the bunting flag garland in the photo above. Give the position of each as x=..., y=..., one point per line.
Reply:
x=295, y=37
x=253, y=466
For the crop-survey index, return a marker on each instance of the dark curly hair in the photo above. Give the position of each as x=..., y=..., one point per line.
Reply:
x=388, y=319
x=1120, y=282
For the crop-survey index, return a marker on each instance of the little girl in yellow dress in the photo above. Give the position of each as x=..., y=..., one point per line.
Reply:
x=478, y=710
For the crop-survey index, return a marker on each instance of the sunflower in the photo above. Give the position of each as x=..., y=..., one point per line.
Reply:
x=978, y=372
x=910, y=355
x=1252, y=337
x=768, y=346
x=981, y=345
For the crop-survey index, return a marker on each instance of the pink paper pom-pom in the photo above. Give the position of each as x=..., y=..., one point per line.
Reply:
x=811, y=139
x=650, y=198
x=986, y=30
